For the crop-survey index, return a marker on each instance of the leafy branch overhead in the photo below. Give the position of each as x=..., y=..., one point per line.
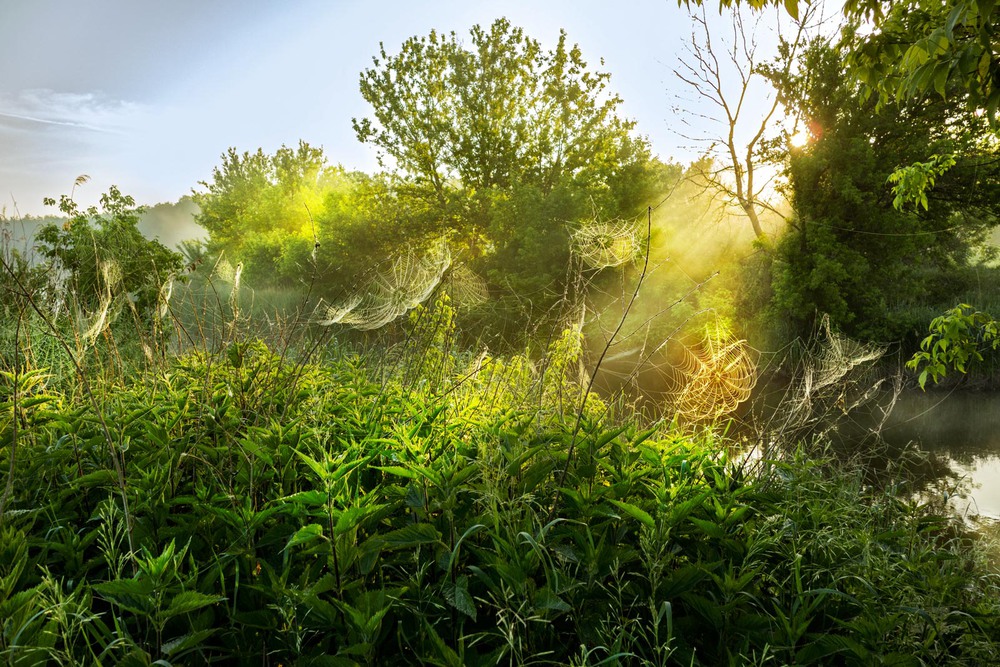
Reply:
x=957, y=339
x=911, y=183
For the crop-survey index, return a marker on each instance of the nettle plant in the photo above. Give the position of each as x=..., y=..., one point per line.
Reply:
x=957, y=340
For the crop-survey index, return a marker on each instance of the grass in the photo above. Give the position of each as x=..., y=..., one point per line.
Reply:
x=425, y=510
x=241, y=490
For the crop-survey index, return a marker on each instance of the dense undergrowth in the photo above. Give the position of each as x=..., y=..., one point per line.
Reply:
x=422, y=506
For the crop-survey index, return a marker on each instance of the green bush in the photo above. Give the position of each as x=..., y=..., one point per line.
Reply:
x=359, y=512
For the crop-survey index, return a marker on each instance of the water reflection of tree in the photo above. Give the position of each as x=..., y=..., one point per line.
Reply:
x=962, y=425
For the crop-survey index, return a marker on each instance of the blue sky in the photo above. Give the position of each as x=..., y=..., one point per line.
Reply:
x=148, y=94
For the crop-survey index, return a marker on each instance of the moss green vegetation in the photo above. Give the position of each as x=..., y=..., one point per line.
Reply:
x=420, y=505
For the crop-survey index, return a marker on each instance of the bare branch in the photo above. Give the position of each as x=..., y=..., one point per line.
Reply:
x=734, y=90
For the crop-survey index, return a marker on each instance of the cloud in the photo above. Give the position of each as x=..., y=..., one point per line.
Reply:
x=92, y=112
x=51, y=137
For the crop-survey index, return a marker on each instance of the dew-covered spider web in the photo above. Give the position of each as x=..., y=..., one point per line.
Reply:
x=720, y=374
x=391, y=290
x=466, y=288
x=90, y=325
x=603, y=244
x=830, y=381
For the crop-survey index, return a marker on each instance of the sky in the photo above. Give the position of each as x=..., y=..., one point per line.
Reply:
x=147, y=94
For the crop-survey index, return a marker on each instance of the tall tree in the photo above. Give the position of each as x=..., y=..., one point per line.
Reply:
x=729, y=75
x=918, y=47
x=258, y=206
x=849, y=252
x=497, y=112
x=508, y=145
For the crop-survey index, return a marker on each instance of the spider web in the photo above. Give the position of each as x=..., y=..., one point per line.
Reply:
x=830, y=382
x=90, y=325
x=408, y=280
x=604, y=244
x=466, y=288
x=721, y=373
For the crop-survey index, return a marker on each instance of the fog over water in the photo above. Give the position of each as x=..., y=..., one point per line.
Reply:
x=963, y=426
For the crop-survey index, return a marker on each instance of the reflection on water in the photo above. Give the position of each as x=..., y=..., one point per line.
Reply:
x=964, y=427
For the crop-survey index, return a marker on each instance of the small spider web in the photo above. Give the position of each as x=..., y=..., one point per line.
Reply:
x=466, y=288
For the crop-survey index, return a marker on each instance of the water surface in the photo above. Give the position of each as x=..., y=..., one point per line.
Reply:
x=961, y=427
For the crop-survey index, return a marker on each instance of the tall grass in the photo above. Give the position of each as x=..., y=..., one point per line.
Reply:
x=246, y=491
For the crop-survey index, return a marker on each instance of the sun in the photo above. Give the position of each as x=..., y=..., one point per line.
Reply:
x=799, y=139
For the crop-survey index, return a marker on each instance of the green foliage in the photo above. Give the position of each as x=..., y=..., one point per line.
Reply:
x=497, y=146
x=496, y=112
x=364, y=220
x=103, y=255
x=957, y=340
x=911, y=183
x=258, y=208
x=507, y=146
x=927, y=47
x=852, y=251
x=406, y=505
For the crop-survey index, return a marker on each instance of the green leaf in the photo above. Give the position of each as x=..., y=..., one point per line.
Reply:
x=410, y=536
x=984, y=65
x=546, y=600
x=179, y=645
x=637, y=513
x=317, y=498
x=705, y=608
x=353, y=516
x=318, y=468
x=608, y=436
x=187, y=601
x=457, y=595
x=822, y=647
x=130, y=594
x=399, y=471
x=940, y=80
x=96, y=478
x=710, y=528
x=305, y=534
x=681, y=581
x=445, y=653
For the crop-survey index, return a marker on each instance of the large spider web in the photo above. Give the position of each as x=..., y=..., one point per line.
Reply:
x=407, y=280
x=721, y=373
x=830, y=382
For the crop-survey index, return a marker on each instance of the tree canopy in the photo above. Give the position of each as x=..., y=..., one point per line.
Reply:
x=921, y=47
x=850, y=252
x=498, y=112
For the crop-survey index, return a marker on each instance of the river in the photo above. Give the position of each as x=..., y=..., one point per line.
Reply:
x=961, y=427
